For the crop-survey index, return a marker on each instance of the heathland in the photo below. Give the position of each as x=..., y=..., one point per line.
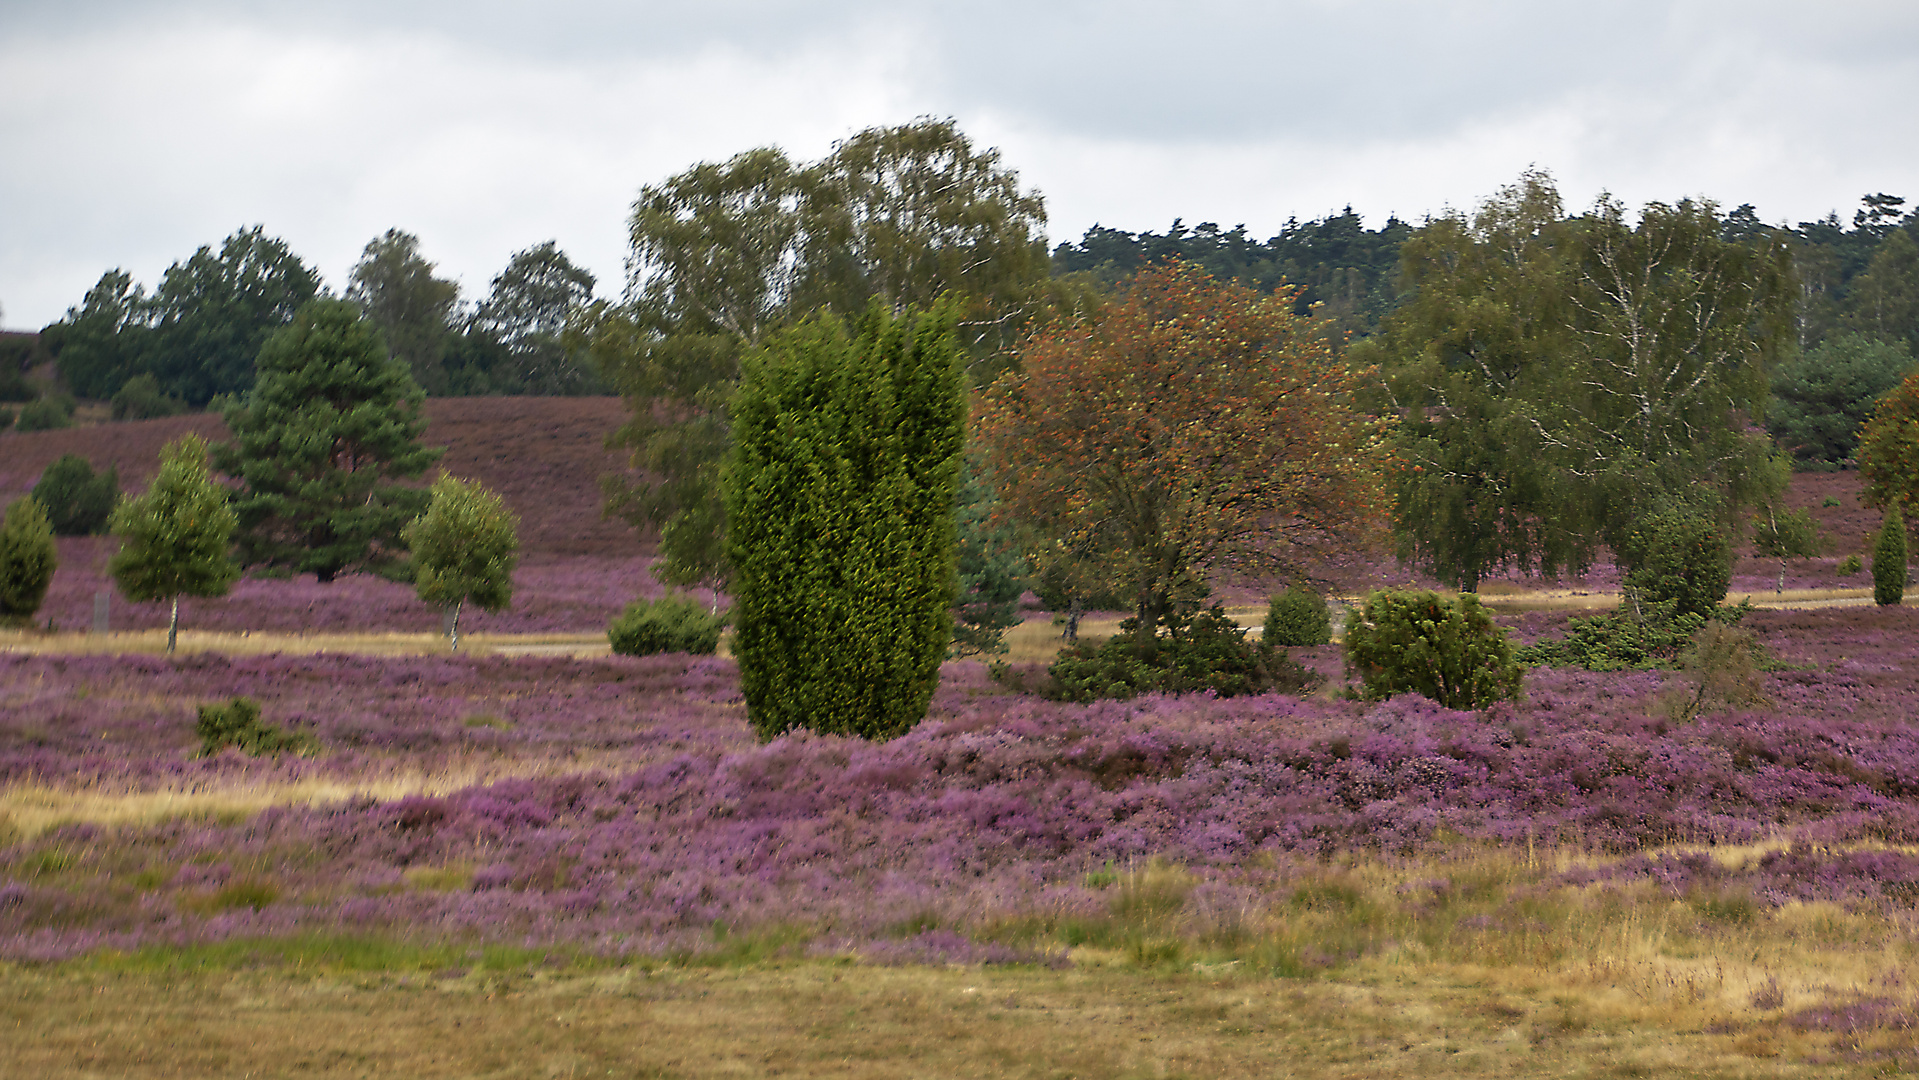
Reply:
x=490, y=864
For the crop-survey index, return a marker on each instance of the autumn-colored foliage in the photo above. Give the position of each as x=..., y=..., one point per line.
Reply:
x=1192, y=426
x=1888, y=453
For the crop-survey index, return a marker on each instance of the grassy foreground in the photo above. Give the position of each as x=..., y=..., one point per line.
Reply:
x=1483, y=964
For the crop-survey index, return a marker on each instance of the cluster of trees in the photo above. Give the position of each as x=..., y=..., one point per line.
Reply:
x=795, y=346
x=1561, y=377
x=196, y=336
x=1335, y=264
x=322, y=443
x=726, y=255
x=1530, y=387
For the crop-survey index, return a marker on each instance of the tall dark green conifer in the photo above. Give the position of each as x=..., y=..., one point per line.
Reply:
x=328, y=427
x=1889, y=560
x=840, y=494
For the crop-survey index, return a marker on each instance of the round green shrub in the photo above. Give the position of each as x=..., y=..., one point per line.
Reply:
x=139, y=398
x=1679, y=554
x=27, y=560
x=1889, y=560
x=673, y=623
x=1205, y=652
x=1448, y=650
x=46, y=414
x=1298, y=617
x=1850, y=565
x=77, y=500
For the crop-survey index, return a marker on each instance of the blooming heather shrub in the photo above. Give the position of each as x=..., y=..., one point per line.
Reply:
x=1202, y=652
x=1298, y=616
x=1889, y=560
x=625, y=805
x=673, y=623
x=237, y=724
x=1448, y=650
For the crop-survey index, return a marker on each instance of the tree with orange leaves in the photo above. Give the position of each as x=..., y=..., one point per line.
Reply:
x=1193, y=426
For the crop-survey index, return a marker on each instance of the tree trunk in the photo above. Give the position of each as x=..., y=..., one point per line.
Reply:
x=173, y=624
x=453, y=630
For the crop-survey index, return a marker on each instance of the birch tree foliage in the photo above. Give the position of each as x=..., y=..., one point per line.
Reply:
x=1559, y=374
x=725, y=253
x=176, y=539
x=464, y=549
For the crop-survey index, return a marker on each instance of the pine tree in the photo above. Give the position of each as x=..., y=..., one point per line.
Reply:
x=1889, y=559
x=464, y=548
x=840, y=494
x=27, y=560
x=331, y=422
x=175, y=539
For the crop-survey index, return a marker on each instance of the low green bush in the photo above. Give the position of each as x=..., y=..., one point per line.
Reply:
x=237, y=723
x=28, y=558
x=6, y=418
x=1199, y=653
x=46, y=414
x=139, y=398
x=1678, y=554
x=1298, y=617
x=1850, y=565
x=78, y=500
x=1637, y=636
x=673, y=623
x=1448, y=650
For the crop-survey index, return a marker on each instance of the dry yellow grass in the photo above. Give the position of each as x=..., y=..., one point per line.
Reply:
x=1555, y=980
x=26, y=810
x=191, y=641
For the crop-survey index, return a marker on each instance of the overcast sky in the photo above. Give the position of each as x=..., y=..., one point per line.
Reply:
x=135, y=132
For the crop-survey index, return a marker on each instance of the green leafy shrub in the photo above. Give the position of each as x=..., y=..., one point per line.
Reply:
x=1639, y=635
x=78, y=500
x=6, y=419
x=1201, y=652
x=1678, y=554
x=1718, y=671
x=674, y=623
x=1298, y=616
x=1448, y=650
x=27, y=560
x=139, y=398
x=46, y=414
x=237, y=723
x=1889, y=559
x=1850, y=565
x=13, y=382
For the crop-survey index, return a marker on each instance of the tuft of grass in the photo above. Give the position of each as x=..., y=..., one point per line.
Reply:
x=453, y=877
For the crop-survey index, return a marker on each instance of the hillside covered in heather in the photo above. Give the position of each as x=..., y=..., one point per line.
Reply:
x=544, y=455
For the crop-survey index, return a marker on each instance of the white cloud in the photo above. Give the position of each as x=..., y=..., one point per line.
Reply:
x=139, y=132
